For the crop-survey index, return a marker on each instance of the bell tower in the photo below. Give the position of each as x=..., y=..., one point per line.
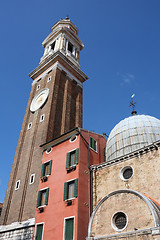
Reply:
x=54, y=107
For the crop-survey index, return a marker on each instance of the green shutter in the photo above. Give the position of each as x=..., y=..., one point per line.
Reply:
x=39, y=232
x=47, y=193
x=50, y=166
x=43, y=170
x=39, y=199
x=91, y=142
x=65, y=191
x=69, y=229
x=76, y=157
x=67, y=160
x=76, y=187
x=95, y=145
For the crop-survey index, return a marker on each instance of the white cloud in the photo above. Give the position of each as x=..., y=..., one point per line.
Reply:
x=126, y=78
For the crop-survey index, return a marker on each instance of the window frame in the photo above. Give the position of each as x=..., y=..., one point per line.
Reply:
x=18, y=181
x=66, y=189
x=42, y=117
x=113, y=222
x=123, y=170
x=71, y=187
x=38, y=87
x=68, y=158
x=32, y=175
x=43, y=168
x=74, y=136
x=70, y=45
x=91, y=144
x=29, y=125
x=49, y=79
x=53, y=44
x=48, y=150
x=39, y=199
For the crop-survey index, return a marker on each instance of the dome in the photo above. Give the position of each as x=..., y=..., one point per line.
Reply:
x=131, y=134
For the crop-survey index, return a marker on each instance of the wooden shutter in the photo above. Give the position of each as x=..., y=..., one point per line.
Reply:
x=50, y=166
x=47, y=193
x=95, y=145
x=39, y=232
x=39, y=199
x=91, y=141
x=65, y=191
x=77, y=156
x=69, y=225
x=43, y=170
x=76, y=187
x=67, y=160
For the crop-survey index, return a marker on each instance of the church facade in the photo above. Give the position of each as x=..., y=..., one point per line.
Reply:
x=125, y=187
x=68, y=183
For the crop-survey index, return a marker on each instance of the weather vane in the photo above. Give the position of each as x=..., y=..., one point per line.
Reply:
x=132, y=104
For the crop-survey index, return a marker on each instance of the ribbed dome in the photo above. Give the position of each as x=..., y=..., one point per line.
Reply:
x=131, y=134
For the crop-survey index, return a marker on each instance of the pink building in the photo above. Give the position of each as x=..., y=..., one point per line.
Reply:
x=63, y=202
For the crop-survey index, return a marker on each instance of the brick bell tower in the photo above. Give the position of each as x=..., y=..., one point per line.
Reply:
x=54, y=107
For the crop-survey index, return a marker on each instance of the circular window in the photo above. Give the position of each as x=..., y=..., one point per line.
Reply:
x=73, y=138
x=119, y=221
x=126, y=173
x=49, y=150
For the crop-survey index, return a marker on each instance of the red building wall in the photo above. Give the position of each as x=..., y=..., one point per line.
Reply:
x=87, y=157
x=57, y=210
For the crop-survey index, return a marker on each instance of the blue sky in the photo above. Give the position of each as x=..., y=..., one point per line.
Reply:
x=121, y=57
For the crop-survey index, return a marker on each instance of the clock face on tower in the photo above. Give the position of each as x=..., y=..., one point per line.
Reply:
x=39, y=100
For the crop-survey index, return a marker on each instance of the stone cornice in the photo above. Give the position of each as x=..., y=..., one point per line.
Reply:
x=60, y=57
x=17, y=225
x=60, y=67
x=63, y=21
x=137, y=153
x=136, y=233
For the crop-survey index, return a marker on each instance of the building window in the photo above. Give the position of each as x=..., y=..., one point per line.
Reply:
x=53, y=45
x=29, y=125
x=70, y=47
x=126, y=173
x=49, y=79
x=0, y=210
x=119, y=221
x=46, y=169
x=72, y=158
x=32, y=177
x=42, y=118
x=93, y=144
x=38, y=87
x=71, y=189
x=17, y=185
x=73, y=138
x=49, y=150
x=42, y=197
x=39, y=231
x=69, y=229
